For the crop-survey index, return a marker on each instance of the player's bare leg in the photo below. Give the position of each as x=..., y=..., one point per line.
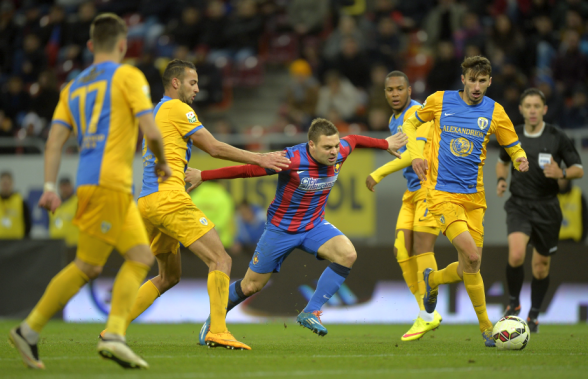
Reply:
x=471, y=260
x=340, y=251
x=210, y=249
x=423, y=258
x=539, y=286
x=515, y=273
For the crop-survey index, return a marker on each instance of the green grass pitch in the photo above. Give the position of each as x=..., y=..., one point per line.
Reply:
x=289, y=351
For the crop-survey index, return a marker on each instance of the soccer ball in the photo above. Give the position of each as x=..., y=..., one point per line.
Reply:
x=511, y=333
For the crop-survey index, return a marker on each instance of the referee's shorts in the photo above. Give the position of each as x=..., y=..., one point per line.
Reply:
x=539, y=219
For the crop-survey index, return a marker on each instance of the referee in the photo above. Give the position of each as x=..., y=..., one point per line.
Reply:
x=533, y=214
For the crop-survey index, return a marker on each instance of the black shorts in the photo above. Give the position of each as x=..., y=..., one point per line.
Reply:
x=539, y=219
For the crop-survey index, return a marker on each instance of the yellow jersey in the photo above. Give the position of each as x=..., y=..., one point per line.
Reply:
x=101, y=106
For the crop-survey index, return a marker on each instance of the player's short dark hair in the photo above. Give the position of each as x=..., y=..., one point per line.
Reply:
x=105, y=31
x=6, y=174
x=176, y=69
x=399, y=74
x=321, y=127
x=477, y=65
x=532, y=92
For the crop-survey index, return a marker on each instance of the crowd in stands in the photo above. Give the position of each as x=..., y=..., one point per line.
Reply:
x=338, y=53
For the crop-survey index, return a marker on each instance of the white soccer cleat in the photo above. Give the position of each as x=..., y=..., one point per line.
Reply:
x=115, y=348
x=28, y=352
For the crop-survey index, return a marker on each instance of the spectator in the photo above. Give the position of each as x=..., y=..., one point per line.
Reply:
x=307, y=17
x=387, y=44
x=353, y=64
x=215, y=23
x=337, y=94
x=31, y=60
x=540, y=47
x=79, y=34
x=506, y=37
x=378, y=120
x=242, y=32
x=60, y=222
x=14, y=100
x=347, y=28
x=15, y=219
x=46, y=98
x=555, y=104
x=8, y=36
x=471, y=34
x=6, y=131
x=561, y=9
x=250, y=226
x=574, y=225
x=511, y=103
x=576, y=116
x=570, y=66
x=147, y=67
x=32, y=19
x=217, y=204
x=53, y=33
x=376, y=98
x=188, y=31
x=446, y=69
x=444, y=21
x=302, y=92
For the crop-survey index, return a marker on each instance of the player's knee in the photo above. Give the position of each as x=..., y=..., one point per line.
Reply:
x=540, y=270
x=347, y=257
x=92, y=271
x=473, y=259
x=171, y=280
x=516, y=258
x=249, y=288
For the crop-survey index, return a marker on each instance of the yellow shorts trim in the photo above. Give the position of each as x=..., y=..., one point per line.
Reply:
x=414, y=215
x=171, y=217
x=466, y=211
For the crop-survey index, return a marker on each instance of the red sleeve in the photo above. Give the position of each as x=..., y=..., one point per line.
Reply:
x=363, y=141
x=233, y=172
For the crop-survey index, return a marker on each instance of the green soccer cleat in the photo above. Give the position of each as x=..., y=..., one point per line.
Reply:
x=421, y=327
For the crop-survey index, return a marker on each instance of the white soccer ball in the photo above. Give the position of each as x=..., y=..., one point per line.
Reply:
x=511, y=333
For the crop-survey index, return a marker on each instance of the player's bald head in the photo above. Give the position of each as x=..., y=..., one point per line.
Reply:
x=106, y=30
x=321, y=127
x=176, y=69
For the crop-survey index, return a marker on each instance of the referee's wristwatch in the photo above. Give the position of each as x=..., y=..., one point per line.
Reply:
x=563, y=172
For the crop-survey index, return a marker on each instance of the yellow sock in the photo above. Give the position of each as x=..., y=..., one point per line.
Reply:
x=124, y=293
x=62, y=287
x=409, y=272
x=475, y=287
x=424, y=261
x=445, y=276
x=218, y=292
x=146, y=296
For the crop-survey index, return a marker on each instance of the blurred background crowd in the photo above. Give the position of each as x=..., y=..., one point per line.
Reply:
x=272, y=65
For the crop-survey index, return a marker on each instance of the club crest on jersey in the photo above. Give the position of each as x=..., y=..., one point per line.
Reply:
x=105, y=227
x=337, y=167
x=191, y=117
x=442, y=219
x=482, y=122
x=461, y=147
x=203, y=221
x=255, y=258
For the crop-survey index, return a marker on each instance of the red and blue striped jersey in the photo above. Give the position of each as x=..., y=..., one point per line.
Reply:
x=303, y=187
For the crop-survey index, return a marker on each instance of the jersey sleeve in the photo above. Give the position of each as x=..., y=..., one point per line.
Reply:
x=62, y=115
x=423, y=132
x=568, y=151
x=427, y=111
x=135, y=89
x=506, y=135
x=183, y=117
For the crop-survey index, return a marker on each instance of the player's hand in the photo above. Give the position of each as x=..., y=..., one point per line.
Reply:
x=163, y=171
x=194, y=177
x=274, y=161
x=420, y=167
x=395, y=142
x=50, y=201
x=370, y=183
x=523, y=164
x=501, y=188
x=552, y=170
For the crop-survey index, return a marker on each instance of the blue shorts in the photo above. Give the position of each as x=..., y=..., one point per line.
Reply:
x=276, y=244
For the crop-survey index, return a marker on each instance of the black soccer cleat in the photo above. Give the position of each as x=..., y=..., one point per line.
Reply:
x=533, y=325
x=512, y=310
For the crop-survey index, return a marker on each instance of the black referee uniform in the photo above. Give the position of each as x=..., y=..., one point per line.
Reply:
x=533, y=207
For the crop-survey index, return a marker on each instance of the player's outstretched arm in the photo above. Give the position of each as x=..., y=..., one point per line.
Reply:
x=58, y=135
x=195, y=177
x=393, y=166
x=205, y=141
x=502, y=175
x=155, y=144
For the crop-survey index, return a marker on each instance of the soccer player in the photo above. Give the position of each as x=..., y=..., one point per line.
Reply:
x=167, y=210
x=416, y=228
x=533, y=214
x=102, y=107
x=463, y=122
x=296, y=217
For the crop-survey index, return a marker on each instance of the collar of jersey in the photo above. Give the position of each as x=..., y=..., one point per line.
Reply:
x=457, y=93
x=536, y=134
x=165, y=98
x=311, y=157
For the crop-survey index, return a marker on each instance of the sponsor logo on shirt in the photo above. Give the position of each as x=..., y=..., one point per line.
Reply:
x=317, y=184
x=191, y=117
x=464, y=131
x=461, y=147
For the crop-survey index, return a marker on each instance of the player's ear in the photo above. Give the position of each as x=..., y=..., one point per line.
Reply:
x=521, y=109
x=544, y=110
x=463, y=79
x=409, y=91
x=90, y=45
x=489, y=81
x=122, y=46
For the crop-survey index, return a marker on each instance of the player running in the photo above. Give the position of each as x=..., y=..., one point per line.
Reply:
x=102, y=106
x=296, y=216
x=416, y=228
x=463, y=122
x=168, y=212
x=533, y=214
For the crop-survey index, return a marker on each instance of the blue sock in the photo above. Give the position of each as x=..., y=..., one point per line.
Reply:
x=328, y=284
x=236, y=295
